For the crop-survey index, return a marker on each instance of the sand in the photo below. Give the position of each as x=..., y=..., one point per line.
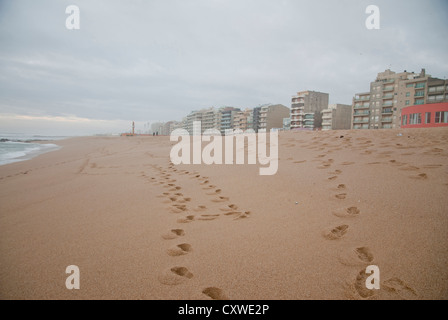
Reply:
x=140, y=228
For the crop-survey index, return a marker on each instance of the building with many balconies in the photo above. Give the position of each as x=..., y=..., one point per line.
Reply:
x=390, y=93
x=306, y=108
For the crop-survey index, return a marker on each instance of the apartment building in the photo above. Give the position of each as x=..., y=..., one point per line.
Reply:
x=256, y=119
x=242, y=120
x=306, y=109
x=337, y=117
x=381, y=107
x=271, y=116
x=210, y=119
x=190, y=119
x=227, y=115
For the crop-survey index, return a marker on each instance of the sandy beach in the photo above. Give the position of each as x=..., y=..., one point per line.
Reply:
x=139, y=227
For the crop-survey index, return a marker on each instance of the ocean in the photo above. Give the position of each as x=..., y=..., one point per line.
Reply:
x=16, y=147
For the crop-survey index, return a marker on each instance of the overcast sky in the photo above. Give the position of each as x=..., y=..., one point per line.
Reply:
x=158, y=60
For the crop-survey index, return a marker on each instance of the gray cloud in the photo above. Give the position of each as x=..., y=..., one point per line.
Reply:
x=158, y=60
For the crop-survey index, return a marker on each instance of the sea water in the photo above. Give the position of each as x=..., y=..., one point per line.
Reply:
x=16, y=147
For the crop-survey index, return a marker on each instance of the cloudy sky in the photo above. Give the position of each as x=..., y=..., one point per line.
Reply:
x=157, y=60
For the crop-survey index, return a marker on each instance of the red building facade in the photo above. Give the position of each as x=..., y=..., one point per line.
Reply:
x=425, y=116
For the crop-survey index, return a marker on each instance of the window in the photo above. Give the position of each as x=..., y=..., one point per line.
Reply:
x=428, y=117
x=420, y=85
x=439, y=97
x=410, y=85
x=442, y=117
x=404, y=120
x=408, y=102
x=408, y=94
x=415, y=118
x=419, y=101
x=420, y=93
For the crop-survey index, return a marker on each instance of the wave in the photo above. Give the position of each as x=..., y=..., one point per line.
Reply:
x=14, y=151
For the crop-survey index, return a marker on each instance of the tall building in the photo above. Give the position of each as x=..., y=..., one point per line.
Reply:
x=381, y=107
x=272, y=116
x=256, y=119
x=242, y=120
x=227, y=115
x=191, y=118
x=210, y=119
x=337, y=117
x=306, y=108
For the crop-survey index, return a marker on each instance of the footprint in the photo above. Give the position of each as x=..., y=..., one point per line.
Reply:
x=187, y=219
x=215, y=293
x=421, y=176
x=178, y=208
x=232, y=213
x=361, y=256
x=332, y=178
x=336, y=233
x=360, y=285
x=398, y=287
x=208, y=217
x=243, y=215
x=342, y=186
x=200, y=208
x=173, y=234
x=230, y=207
x=336, y=172
x=221, y=199
x=410, y=168
x=348, y=213
x=179, y=250
x=175, y=276
x=364, y=254
x=341, y=196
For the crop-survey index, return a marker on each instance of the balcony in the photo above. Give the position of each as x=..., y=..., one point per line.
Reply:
x=388, y=88
x=362, y=98
x=361, y=121
x=386, y=119
x=388, y=104
x=361, y=114
x=388, y=96
x=387, y=111
x=364, y=106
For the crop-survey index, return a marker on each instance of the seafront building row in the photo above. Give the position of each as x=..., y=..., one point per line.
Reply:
x=395, y=100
